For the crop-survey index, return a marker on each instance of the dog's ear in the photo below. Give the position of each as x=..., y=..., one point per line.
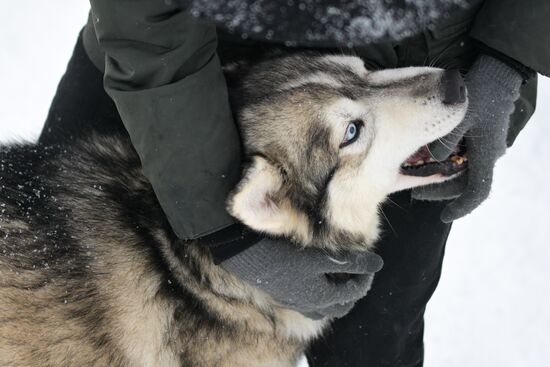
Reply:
x=254, y=201
x=260, y=203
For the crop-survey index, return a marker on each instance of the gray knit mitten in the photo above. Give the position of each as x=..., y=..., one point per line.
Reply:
x=493, y=87
x=299, y=279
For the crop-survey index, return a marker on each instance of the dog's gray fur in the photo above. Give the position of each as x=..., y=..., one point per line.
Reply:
x=92, y=275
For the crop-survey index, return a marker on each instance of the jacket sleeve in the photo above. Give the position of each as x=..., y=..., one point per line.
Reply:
x=162, y=71
x=518, y=29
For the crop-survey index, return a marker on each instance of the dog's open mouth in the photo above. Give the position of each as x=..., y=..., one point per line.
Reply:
x=423, y=164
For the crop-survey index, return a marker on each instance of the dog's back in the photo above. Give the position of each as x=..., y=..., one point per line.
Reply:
x=91, y=275
x=66, y=258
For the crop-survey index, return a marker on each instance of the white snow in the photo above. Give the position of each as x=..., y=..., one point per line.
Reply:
x=492, y=306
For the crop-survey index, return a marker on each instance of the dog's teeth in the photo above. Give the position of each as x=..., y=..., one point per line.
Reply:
x=419, y=163
x=431, y=160
x=457, y=159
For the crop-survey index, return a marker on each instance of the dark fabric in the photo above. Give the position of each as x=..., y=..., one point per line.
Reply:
x=80, y=106
x=230, y=241
x=386, y=327
x=525, y=107
x=162, y=72
x=518, y=29
x=322, y=23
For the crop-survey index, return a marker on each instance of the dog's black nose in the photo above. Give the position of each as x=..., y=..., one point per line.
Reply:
x=453, y=87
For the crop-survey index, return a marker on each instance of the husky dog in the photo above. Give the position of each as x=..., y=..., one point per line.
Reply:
x=92, y=275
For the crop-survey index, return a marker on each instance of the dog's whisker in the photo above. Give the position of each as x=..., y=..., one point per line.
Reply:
x=431, y=154
x=396, y=204
x=441, y=140
x=388, y=221
x=438, y=57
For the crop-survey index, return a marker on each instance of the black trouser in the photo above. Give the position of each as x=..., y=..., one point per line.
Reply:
x=80, y=106
x=385, y=328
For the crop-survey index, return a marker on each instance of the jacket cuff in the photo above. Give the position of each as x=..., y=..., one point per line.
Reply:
x=91, y=45
x=230, y=241
x=525, y=72
x=189, y=147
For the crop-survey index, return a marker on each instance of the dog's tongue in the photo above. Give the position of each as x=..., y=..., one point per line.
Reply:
x=421, y=155
x=421, y=163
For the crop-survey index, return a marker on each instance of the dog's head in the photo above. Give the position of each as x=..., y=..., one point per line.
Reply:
x=327, y=140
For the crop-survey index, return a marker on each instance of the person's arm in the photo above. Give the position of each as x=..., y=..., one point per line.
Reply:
x=513, y=42
x=162, y=72
x=517, y=33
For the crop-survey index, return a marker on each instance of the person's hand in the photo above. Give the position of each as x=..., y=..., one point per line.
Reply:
x=493, y=87
x=300, y=279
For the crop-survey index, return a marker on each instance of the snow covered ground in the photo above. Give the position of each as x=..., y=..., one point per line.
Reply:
x=492, y=307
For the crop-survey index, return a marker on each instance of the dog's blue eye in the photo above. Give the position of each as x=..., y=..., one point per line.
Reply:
x=352, y=132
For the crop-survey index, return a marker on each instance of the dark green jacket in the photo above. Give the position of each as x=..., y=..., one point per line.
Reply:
x=163, y=72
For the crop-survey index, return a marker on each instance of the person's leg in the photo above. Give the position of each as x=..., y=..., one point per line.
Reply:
x=386, y=327
x=80, y=106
